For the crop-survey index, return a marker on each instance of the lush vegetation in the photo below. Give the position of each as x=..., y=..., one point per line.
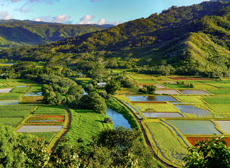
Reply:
x=209, y=153
x=24, y=33
x=167, y=143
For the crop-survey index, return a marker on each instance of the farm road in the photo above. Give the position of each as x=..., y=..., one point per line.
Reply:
x=65, y=129
x=146, y=138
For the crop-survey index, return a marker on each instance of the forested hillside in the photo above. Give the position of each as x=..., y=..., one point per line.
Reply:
x=15, y=33
x=194, y=40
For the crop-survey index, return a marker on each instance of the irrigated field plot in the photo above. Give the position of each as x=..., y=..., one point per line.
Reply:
x=40, y=128
x=220, y=91
x=11, y=121
x=189, y=99
x=5, y=90
x=193, y=140
x=156, y=107
x=166, y=91
x=224, y=126
x=48, y=136
x=8, y=102
x=84, y=124
x=150, y=98
x=194, y=126
x=15, y=93
x=223, y=108
x=35, y=88
x=169, y=145
x=194, y=92
x=162, y=115
x=176, y=86
x=217, y=99
x=189, y=109
x=42, y=109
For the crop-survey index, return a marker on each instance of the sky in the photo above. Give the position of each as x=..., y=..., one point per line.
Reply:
x=85, y=11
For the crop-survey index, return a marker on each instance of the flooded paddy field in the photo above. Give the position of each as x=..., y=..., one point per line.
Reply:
x=40, y=128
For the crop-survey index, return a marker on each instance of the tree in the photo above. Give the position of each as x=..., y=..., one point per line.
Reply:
x=75, y=89
x=112, y=87
x=210, y=153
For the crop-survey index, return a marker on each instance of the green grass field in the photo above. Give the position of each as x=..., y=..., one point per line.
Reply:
x=42, y=109
x=148, y=107
x=174, y=86
x=11, y=121
x=220, y=91
x=189, y=99
x=35, y=88
x=204, y=86
x=223, y=108
x=167, y=143
x=217, y=99
x=146, y=81
x=46, y=135
x=85, y=124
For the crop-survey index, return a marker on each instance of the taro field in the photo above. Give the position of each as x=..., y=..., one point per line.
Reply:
x=21, y=108
x=182, y=111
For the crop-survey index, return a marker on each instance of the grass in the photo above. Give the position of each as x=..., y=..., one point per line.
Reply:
x=173, y=86
x=48, y=136
x=156, y=107
x=12, y=84
x=3, y=80
x=50, y=110
x=20, y=110
x=204, y=86
x=221, y=85
x=219, y=91
x=83, y=81
x=167, y=143
x=190, y=99
x=147, y=81
x=35, y=88
x=217, y=99
x=10, y=121
x=223, y=108
x=31, y=99
x=84, y=124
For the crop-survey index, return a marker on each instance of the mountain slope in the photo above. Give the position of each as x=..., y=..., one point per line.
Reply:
x=18, y=33
x=192, y=39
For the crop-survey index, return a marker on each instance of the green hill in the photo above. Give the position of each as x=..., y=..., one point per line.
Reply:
x=193, y=39
x=15, y=33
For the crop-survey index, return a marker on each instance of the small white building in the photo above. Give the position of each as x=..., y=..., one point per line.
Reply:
x=101, y=84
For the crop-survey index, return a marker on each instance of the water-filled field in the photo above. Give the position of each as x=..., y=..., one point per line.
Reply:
x=150, y=98
x=194, y=92
x=162, y=115
x=40, y=128
x=224, y=126
x=189, y=109
x=5, y=90
x=33, y=94
x=194, y=126
x=8, y=102
x=167, y=91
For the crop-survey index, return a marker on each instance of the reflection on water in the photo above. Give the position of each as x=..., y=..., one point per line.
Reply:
x=9, y=102
x=150, y=98
x=195, y=92
x=117, y=118
x=33, y=94
x=157, y=115
x=192, y=110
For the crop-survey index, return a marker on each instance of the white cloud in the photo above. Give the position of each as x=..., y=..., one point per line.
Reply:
x=56, y=19
x=5, y=16
x=87, y=20
x=61, y=18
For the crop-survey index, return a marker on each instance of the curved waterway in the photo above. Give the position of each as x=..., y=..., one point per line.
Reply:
x=118, y=119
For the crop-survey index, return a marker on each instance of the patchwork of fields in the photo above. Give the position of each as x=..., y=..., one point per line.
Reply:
x=185, y=110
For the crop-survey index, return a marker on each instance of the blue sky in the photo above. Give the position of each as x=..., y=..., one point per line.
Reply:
x=85, y=11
